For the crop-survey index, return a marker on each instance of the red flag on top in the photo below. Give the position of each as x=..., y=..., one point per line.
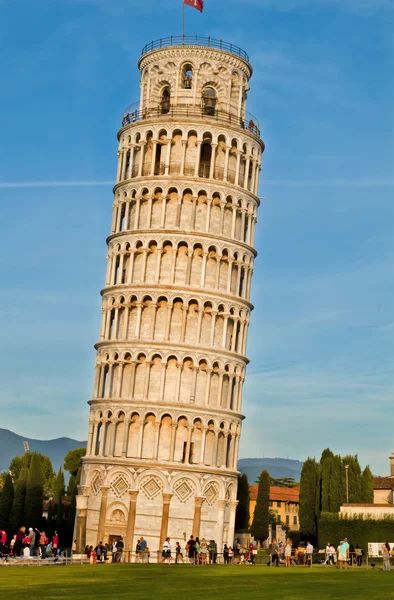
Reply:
x=198, y=4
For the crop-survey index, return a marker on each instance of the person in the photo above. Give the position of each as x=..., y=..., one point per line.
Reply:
x=351, y=555
x=3, y=540
x=99, y=551
x=230, y=555
x=20, y=535
x=32, y=538
x=331, y=555
x=26, y=547
x=343, y=553
x=203, y=551
x=43, y=543
x=288, y=552
x=48, y=550
x=253, y=551
x=198, y=546
x=386, y=556
x=275, y=553
x=74, y=547
x=309, y=554
x=225, y=554
x=166, y=552
x=178, y=554
x=359, y=555
x=88, y=551
x=119, y=550
x=12, y=544
x=143, y=554
x=93, y=555
x=138, y=550
x=55, y=543
x=192, y=550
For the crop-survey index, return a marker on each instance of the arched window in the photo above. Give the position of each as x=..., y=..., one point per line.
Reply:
x=209, y=101
x=165, y=100
x=187, y=77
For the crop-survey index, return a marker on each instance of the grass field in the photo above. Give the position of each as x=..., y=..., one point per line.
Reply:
x=165, y=582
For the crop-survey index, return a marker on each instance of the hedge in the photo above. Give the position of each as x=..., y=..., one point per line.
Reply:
x=358, y=529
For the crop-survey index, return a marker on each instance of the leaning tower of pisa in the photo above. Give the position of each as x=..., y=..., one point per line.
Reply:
x=166, y=412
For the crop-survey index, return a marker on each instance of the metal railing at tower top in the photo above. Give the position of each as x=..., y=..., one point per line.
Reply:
x=132, y=114
x=195, y=40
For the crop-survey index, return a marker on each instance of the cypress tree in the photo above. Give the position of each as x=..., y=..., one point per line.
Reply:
x=326, y=482
x=309, y=497
x=34, y=494
x=58, y=486
x=367, y=486
x=49, y=527
x=337, y=484
x=261, y=517
x=18, y=506
x=242, y=514
x=6, y=500
x=354, y=478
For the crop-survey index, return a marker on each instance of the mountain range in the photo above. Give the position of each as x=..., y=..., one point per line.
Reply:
x=11, y=445
x=276, y=467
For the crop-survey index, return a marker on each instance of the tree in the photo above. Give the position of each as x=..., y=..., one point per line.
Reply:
x=327, y=453
x=72, y=460
x=6, y=499
x=337, y=484
x=326, y=483
x=58, y=487
x=18, y=506
x=48, y=473
x=242, y=515
x=284, y=482
x=354, y=478
x=261, y=517
x=309, y=495
x=34, y=493
x=367, y=486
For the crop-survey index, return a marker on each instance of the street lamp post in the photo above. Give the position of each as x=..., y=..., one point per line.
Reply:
x=347, y=483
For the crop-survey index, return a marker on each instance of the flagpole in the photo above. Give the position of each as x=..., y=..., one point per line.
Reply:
x=183, y=21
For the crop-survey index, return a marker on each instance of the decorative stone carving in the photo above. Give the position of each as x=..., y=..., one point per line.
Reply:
x=151, y=487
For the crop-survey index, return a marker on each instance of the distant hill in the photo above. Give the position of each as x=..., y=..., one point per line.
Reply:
x=11, y=445
x=276, y=467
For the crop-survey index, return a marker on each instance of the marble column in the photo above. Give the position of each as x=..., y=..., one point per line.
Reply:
x=129, y=541
x=197, y=516
x=164, y=518
x=103, y=511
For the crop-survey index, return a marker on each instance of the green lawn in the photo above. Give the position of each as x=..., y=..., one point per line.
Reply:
x=165, y=582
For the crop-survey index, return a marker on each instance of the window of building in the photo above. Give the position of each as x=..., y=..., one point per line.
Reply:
x=287, y=520
x=271, y=503
x=279, y=504
x=209, y=101
x=166, y=100
x=294, y=520
x=187, y=77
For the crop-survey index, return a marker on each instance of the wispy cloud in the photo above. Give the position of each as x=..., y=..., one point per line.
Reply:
x=53, y=184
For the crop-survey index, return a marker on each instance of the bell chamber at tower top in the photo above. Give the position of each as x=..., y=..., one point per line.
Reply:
x=191, y=119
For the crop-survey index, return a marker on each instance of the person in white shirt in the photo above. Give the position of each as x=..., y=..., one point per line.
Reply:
x=309, y=552
x=166, y=553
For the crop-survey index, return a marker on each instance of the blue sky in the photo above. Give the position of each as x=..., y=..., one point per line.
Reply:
x=321, y=340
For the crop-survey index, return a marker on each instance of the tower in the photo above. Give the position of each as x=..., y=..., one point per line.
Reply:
x=165, y=417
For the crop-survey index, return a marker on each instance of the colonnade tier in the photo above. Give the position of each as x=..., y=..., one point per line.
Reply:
x=191, y=151
x=171, y=381
x=140, y=265
x=164, y=438
x=180, y=322
x=201, y=211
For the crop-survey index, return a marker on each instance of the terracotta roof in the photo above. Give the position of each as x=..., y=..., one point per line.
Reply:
x=278, y=493
x=383, y=483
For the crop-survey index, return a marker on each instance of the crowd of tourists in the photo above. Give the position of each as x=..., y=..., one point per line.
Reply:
x=196, y=552
x=26, y=543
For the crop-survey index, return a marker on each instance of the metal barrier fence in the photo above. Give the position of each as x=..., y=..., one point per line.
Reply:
x=132, y=114
x=194, y=40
